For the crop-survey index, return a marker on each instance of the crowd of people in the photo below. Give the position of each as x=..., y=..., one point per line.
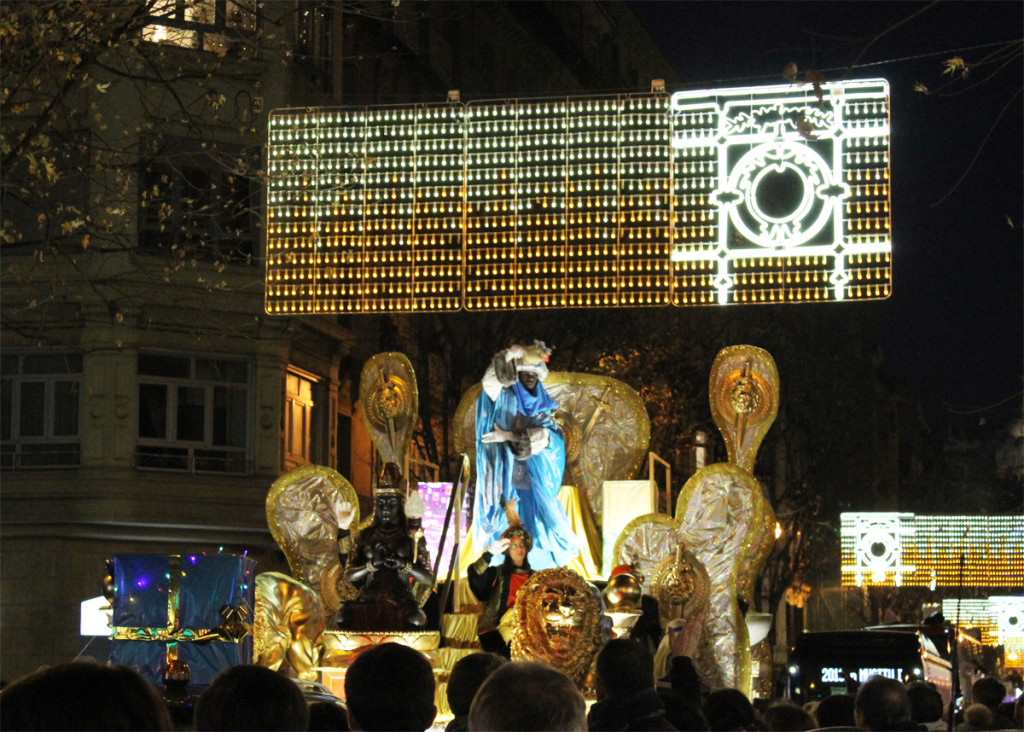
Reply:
x=392, y=687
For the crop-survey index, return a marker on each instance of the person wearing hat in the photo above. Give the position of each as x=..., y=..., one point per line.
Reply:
x=498, y=586
x=520, y=457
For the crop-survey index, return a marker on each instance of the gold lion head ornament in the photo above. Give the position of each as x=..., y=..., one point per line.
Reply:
x=558, y=620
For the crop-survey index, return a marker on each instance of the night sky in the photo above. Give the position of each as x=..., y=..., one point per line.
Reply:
x=953, y=327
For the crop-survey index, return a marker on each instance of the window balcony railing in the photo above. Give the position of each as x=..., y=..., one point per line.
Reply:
x=38, y=456
x=223, y=460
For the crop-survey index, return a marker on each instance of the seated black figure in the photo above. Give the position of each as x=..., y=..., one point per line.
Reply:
x=385, y=562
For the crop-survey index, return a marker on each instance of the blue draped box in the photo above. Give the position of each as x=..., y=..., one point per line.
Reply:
x=170, y=606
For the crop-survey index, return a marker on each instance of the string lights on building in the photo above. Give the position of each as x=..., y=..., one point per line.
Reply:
x=765, y=194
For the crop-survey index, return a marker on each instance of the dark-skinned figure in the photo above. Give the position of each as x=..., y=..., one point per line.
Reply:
x=388, y=558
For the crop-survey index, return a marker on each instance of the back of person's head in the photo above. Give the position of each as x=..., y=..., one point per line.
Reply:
x=988, y=691
x=467, y=675
x=623, y=667
x=83, y=696
x=390, y=687
x=781, y=716
x=925, y=702
x=977, y=717
x=327, y=716
x=251, y=697
x=835, y=711
x=528, y=695
x=729, y=709
x=882, y=704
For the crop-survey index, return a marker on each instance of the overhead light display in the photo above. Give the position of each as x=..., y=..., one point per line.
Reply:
x=758, y=195
x=893, y=549
x=795, y=184
x=1000, y=618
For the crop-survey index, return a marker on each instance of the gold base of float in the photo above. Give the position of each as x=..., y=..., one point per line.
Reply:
x=342, y=647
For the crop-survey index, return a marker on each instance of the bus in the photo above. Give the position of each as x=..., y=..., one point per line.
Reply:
x=973, y=658
x=838, y=661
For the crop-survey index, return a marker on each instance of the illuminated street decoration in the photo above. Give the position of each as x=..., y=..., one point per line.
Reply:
x=999, y=618
x=568, y=203
x=365, y=210
x=877, y=540
x=932, y=551
x=616, y=201
x=796, y=188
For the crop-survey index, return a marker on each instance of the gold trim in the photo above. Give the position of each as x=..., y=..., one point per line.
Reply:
x=164, y=635
x=340, y=645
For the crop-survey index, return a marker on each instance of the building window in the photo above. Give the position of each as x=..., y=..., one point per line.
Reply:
x=40, y=399
x=196, y=208
x=193, y=414
x=303, y=415
x=313, y=52
x=218, y=26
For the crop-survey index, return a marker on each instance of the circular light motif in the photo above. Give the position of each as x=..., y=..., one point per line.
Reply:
x=782, y=195
x=878, y=548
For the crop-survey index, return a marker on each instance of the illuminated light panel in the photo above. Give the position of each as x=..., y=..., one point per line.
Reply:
x=784, y=197
x=435, y=498
x=999, y=618
x=567, y=203
x=580, y=202
x=365, y=210
x=895, y=549
x=877, y=546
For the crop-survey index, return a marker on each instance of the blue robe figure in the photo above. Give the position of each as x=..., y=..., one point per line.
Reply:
x=520, y=458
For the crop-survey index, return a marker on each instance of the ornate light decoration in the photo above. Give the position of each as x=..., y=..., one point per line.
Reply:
x=761, y=194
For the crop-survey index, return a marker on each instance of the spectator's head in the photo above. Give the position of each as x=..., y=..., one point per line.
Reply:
x=327, y=716
x=835, y=711
x=623, y=667
x=251, y=698
x=729, y=709
x=925, y=702
x=977, y=717
x=390, y=687
x=468, y=674
x=785, y=715
x=528, y=695
x=988, y=691
x=83, y=695
x=882, y=704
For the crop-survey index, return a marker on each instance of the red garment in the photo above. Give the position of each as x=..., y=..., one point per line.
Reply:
x=515, y=581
